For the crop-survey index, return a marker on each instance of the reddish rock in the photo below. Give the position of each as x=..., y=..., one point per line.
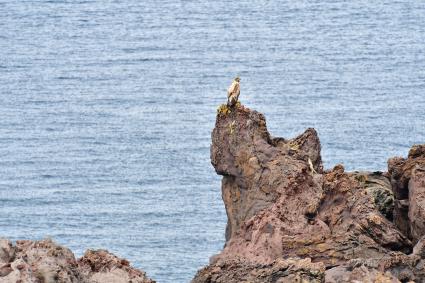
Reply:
x=5, y=270
x=281, y=204
x=45, y=261
x=361, y=273
x=42, y=261
x=101, y=266
x=7, y=251
x=400, y=171
x=280, y=270
x=252, y=174
x=419, y=249
x=399, y=177
x=417, y=203
x=400, y=215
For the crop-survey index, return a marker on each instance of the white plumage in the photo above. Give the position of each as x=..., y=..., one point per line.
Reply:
x=233, y=92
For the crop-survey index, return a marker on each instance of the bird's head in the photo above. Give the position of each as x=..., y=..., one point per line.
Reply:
x=237, y=79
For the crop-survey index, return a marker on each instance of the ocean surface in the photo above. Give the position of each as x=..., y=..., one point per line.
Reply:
x=107, y=109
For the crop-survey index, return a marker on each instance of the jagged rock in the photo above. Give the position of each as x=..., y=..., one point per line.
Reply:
x=417, y=203
x=400, y=215
x=408, y=190
x=46, y=262
x=283, y=271
x=379, y=187
x=419, y=248
x=363, y=274
x=42, y=261
x=280, y=204
x=243, y=152
x=306, y=146
x=7, y=251
x=399, y=177
x=101, y=266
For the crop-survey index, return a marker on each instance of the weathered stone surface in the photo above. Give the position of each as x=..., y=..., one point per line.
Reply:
x=101, y=266
x=7, y=251
x=42, y=261
x=407, y=184
x=280, y=270
x=399, y=177
x=281, y=204
x=363, y=274
x=400, y=215
x=252, y=175
x=379, y=187
x=419, y=248
x=417, y=203
x=46, y=262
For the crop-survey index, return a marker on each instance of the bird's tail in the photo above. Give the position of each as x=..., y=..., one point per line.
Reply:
x=231, y=101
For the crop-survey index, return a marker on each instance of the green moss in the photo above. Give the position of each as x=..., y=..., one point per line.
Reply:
x=384, y=200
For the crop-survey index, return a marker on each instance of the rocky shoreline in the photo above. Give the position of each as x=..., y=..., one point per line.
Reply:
x=289, y=220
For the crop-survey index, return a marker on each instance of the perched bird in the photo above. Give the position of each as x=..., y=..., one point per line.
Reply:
x=233, y=92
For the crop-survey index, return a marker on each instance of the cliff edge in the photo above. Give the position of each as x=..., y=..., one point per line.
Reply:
x=291, y=221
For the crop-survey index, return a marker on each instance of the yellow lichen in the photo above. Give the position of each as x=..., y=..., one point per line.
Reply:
x=382, y=278
x=294, y=146
x=322, y=247
x=361, y=178
x=223, y=109
x=375, y=219
x=303, y=251
x=232, y=127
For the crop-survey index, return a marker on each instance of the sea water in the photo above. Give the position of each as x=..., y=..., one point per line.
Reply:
x=107, y=109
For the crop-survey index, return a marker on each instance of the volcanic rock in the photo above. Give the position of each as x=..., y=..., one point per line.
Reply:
x=417, y=203
x=408, y=183
x=235, y=271
x=46, y=262
x=285, y=211
x=102, y=266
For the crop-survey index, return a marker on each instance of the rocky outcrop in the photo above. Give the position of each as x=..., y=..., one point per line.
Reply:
x=46, y=262
x=417, y=203
x=235, y=271
x=408, y=183
x=102, y=266
x=288, y=218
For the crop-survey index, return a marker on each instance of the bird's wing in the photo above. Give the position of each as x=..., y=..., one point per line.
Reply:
x=231, y=89
x=237, y=89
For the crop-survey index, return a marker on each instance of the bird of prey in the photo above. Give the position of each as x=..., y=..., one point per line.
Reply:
x=233, y=92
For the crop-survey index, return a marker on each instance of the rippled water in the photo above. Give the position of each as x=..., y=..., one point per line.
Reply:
x=107, y=108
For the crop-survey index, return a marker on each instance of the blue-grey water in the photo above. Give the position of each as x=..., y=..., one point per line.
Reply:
x=107, y=108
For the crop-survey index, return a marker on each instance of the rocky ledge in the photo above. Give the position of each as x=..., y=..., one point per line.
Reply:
x=289, y=220
x=46, y=262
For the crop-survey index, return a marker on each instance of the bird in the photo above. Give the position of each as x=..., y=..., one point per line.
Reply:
x=233, y=92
